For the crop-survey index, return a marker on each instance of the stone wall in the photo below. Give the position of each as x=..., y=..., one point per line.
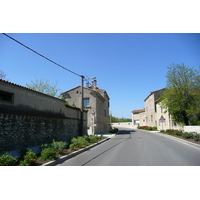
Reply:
x=29, y=118
x=20, y=131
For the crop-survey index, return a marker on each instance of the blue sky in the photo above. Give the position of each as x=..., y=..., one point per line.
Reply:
x=127, y=65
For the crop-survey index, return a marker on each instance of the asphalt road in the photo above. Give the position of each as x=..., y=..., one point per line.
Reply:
x=132, y=147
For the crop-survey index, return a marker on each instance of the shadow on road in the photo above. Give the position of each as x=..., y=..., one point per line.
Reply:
x=125, y=132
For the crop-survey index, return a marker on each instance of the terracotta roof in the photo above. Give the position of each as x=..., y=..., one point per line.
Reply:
x=138, y=111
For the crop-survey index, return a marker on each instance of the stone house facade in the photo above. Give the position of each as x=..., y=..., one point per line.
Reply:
x=96, y=102
x=150, y=107
x=29, y=118
x=156, y=115
x=138, y=118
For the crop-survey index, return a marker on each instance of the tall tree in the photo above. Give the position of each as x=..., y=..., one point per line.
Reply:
x=181, y=96
x=45, y=87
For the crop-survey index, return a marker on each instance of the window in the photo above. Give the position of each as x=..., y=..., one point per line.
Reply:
x=86, y=102
x=6, y=96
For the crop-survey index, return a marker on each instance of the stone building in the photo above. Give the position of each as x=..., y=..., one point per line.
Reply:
x=96, y=102
x=138, y=118
x=151, y=108
x=29, y=118
x=153, y=114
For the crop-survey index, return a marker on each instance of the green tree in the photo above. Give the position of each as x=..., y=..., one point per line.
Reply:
x=44, y=86
x=116, y=119
x=181, y=96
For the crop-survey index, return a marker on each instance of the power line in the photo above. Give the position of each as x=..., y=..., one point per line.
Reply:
x=41, y=55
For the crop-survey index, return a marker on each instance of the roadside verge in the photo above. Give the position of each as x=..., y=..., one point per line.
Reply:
x=174, y=138
x=68, y=156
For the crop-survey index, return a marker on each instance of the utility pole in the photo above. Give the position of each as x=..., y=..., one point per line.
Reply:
x=81, y=124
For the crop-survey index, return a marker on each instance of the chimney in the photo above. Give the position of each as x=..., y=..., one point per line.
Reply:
x=87, y=84
x=94, y=84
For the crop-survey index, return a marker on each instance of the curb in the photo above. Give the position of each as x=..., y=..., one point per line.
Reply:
x=175, y=138
x=75, y=153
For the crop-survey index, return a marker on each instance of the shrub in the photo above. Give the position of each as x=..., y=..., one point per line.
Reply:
x=78, y=142
x=48, y=154
x=58, y=146
x=29, y=158
x=170, y=131
x=142, y=127
x=188, y=135
x=93, y=138
x=8, y=160
x=149, y=128
x=178, y=133
x=87, y=138
x=44, y=146
x=196, y=137
x=155, y=128
x=115, y=130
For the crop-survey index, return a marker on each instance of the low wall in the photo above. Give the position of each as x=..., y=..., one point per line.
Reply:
x=192, y=129
x=122, y=124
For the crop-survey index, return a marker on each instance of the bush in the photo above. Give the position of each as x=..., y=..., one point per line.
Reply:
x=196, y=137
x=8, y=160
x=142, y=127
x=170, y=131
x=48, y=154
x=29, y=158
x=162, y=131
x=87, y=138
x=178, y=133
x=78, y=142
x=115, y=130
x=149, y=128
x=155, y=128
x=59, y=146
x=93, y=138
x=188, y=135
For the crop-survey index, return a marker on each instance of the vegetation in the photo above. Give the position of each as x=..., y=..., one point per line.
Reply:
x=116, y=119
x=78, y=142
x=47, y=151
x=81, y=142
x=115, y=130
x=44, y=86
x=29, y=158
x=182, y=134
x=8, y=160
x=48, y=154
x=182, y=96
x=149, y=128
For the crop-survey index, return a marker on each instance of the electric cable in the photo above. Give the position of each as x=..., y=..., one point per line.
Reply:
x=41, y=55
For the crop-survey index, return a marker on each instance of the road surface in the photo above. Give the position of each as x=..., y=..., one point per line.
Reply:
x=133, y=147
